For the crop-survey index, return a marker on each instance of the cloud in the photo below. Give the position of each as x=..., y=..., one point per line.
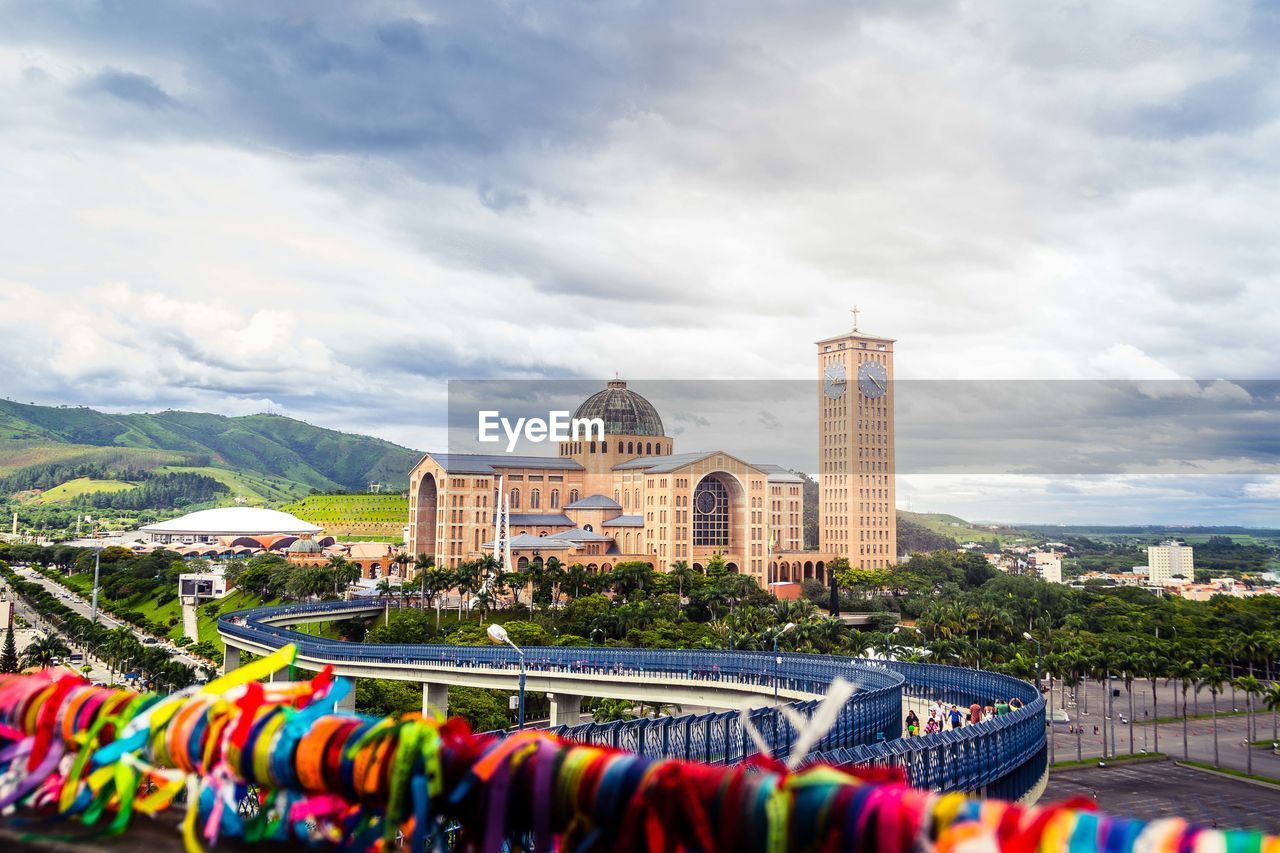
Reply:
x=335, y=209
x=133, y=88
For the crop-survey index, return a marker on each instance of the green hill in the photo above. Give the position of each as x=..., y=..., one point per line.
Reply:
x=280, y=457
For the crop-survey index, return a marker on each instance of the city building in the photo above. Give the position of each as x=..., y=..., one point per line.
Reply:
x=1170, y=563
x=1048, y=565
x=633, y=497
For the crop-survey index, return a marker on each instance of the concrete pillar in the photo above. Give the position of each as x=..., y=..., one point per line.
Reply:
x=566, y=709
x=435, y=699
x=230, y=659
x=347, y=704
x=190, y=621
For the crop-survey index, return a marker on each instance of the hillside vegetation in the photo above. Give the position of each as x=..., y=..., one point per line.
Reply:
x=346, y=516
x=268, y=445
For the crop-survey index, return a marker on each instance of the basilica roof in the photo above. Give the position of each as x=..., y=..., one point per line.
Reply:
x=625, y=521
x=489, y=463
x=546, y=519
x=594, y=502
x=624, y=412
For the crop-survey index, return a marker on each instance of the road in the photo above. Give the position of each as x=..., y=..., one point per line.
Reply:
x=79, y=605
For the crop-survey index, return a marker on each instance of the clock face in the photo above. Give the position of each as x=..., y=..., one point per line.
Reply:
x=873, y=379
x=706, y=503
x=834, y=381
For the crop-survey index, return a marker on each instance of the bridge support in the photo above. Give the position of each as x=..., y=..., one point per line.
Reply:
x=566, y=709
x=230, y=659
x=435, y=699
x=347, y=704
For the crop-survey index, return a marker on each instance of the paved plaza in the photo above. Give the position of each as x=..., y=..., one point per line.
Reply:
x=1158, y=789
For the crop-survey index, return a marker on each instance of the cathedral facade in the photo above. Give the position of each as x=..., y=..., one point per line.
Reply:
x=633, y=497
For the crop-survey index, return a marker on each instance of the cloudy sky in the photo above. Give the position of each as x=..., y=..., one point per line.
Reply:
x=328, y=210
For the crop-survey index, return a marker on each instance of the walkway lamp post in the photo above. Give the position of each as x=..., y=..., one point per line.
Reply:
x=1026, y=635
x=785, y=629
x=498, y=634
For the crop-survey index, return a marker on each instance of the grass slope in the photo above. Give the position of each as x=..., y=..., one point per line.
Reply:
x=80, y=486
x=361, y=515
x=254, y=488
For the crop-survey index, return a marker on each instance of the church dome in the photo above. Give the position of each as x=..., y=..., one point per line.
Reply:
x=623, y=412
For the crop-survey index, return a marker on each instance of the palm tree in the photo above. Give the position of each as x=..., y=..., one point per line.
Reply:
x=1251, y=687
x=385, y=588
x=1184, y=671
x=1153, y=665
x=344, y=572
x=1129, y=665
x=1271, y=698
x=1212, y=678
x=401, y=559
x=682, y=572
x=44, y=651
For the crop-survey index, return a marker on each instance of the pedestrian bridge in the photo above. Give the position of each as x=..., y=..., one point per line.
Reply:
x=1002, y=757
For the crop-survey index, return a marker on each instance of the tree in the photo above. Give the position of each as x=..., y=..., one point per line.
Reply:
x=1212, y=678
x=44, y=651
x=9, y=657
x=683, y=573
x=1271, y=698
x=1251, y=687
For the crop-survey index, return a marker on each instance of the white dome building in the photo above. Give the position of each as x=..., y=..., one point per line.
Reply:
x=267, y=526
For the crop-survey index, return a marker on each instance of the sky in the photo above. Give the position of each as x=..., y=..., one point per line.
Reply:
x=330, y=210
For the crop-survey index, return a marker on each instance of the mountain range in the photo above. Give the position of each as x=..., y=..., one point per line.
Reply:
x=270, y=452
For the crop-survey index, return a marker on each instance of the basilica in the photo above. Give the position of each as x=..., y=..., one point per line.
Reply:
x=633, y=497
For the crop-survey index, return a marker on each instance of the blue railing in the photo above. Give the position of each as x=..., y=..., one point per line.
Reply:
x=1004, y=756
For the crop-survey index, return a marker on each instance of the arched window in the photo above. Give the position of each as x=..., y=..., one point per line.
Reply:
x=515, y=498
x=626, y=500
x=535, y=499
x=593, y=447
x=555, y=498
x=620, y=447
x=522, y=564
x=648, y=449
x=604, y=447
x=586, y=527
x=573, y=496
x=615, y=496
x=631, y=448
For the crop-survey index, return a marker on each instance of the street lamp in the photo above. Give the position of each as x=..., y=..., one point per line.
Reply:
x=1027, y=636
x=498, y=634
x=97, y=564
x=785, y=629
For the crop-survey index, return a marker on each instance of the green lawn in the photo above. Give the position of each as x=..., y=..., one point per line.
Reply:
x=1090, y=762
x=81, y=486
x=1240, y=774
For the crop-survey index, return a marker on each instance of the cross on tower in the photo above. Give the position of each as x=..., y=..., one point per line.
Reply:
x=854, y=311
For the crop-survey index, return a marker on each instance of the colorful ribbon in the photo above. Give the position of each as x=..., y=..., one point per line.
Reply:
x=69, y=749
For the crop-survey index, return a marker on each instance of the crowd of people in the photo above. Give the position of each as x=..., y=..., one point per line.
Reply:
x=942, y=715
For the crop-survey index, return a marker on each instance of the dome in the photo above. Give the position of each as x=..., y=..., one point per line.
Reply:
x=623, y=412
x=232, y=520
x=305, y=545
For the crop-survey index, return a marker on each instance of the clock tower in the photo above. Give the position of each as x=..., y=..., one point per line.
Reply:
x=856, y=492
